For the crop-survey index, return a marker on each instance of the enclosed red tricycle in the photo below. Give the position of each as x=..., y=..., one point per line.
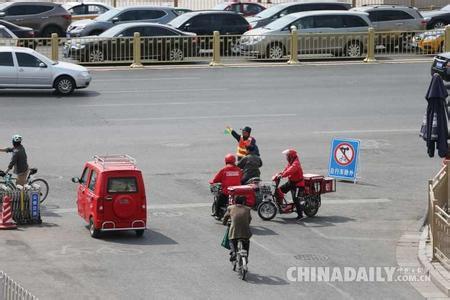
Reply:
x=111, y=195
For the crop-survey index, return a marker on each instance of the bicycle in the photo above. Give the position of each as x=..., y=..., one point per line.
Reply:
x=42, y=183
x=241, y=260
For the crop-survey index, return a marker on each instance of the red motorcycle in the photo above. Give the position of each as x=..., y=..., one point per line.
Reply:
x=315, y=186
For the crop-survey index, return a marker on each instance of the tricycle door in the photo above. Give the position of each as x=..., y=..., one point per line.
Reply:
x=89, y=205
x=122, y=200
x=81, y=193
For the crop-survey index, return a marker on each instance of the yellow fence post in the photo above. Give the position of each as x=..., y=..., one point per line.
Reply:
x=54, y=44
x=413, y=3
x=114, y=3
x=370, y=46
x=136, y=51
x=447, y=39
x=216, y=50
x=353, y=3
x=175, y=3
x=294, y=46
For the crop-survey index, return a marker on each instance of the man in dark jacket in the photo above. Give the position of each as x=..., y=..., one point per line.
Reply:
x=250, y=164
x=18, y=160
x=240, y=217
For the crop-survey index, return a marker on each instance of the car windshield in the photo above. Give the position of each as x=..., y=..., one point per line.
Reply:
x=270, y=11
x=68, y=6
x=107, y=15
x=280, y=23
x=180, y=20
x=4, y=5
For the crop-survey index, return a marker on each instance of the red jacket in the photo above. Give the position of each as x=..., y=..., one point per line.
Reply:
x=230, y=175
x=294, y=172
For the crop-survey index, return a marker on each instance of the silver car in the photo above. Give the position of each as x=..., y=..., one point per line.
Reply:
x=320, y=32
x=26, y=68
x=117, y=16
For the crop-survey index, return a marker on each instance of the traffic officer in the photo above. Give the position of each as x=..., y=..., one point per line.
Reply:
x=244, y=140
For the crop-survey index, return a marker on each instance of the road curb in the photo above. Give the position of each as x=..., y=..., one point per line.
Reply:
x=436, y=277
x=259, y=65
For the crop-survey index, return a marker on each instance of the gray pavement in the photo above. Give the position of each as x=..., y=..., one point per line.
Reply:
x=172, y=122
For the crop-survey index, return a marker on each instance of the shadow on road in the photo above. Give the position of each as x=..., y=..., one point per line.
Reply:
x=129, y=237
x=46, y=94
x=265, y=280
x=317, y=221
x=261, y=230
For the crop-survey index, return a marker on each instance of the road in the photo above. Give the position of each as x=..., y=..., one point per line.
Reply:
x=172, y=122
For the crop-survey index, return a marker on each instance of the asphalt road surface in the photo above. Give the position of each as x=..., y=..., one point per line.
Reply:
x=172, y=122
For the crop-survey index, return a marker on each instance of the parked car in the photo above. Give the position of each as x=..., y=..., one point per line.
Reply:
x=430, y=41
x=247, y=9
x=111, y=195
x=159, y=41
x=437, y=18
x=441, y=65
x=13, y=32
x=25, y=68
x=86, y=10
x=273, y=40
x=44, y=17
x=280, y=10
x=117, y=16
x=206, y=22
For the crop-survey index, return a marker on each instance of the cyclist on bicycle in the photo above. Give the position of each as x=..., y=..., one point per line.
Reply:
x=240, y=217
x=18, y=160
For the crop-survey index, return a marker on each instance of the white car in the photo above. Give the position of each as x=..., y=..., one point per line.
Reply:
x=7, y=38
x=26, y=68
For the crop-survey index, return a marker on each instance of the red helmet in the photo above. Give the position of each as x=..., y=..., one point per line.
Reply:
x=291, y=154
x=230, y=159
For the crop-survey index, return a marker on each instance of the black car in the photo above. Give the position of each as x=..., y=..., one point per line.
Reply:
x=441, y=66
x=437, y=18
x=158, y=42
x=206, y=22
x=19, y=31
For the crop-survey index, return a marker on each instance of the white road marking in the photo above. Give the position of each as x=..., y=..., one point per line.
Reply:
x=151, y=207
x=162, y=91
x=411, y=130
x=202, y=117
x=349, y=238
x=163, y=103
x=149, y=79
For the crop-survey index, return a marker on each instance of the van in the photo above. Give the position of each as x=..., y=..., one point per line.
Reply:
x=111, y=195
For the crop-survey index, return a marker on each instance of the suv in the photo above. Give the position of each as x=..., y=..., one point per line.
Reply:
x=273, y=41
x=44, y=17
x=111, y=195
x=393, y=17
x=116, y=16
x=277, y=11
x=247, y=9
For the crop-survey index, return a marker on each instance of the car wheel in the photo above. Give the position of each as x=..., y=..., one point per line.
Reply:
x=96, y=55
x=64, y=85
x=47, y=32
x=176, y=54
x=95, y=233
x=275, y=51
x=353, y=49
x=439, y=24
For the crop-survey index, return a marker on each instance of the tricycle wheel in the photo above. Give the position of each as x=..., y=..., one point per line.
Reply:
x=267, y=211
x=139, y=232
x=95, y=233
x=312, y=206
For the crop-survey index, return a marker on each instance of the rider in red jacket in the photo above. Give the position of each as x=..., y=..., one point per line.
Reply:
x=295, y=183
x=230, y=175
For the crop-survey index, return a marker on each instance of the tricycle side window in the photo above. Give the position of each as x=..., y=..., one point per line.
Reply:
x=122, y=185
x=84, y=176
x=92, y=180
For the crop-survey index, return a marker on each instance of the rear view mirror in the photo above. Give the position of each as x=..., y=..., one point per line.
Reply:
x=187, y=26
x=75, y=180
x=42, y=65
x=115, y=20
x=2, y=14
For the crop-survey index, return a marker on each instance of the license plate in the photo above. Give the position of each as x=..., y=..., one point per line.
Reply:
x=439, y=65
x=123, y=201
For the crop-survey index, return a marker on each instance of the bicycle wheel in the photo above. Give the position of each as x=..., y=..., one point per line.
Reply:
x=44, y=187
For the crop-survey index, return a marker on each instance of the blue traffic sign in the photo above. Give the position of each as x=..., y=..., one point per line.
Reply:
x=344, y=159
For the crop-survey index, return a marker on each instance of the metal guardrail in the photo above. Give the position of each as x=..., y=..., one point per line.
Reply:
x=11, y=290
x=438, y=216
x=217, y=49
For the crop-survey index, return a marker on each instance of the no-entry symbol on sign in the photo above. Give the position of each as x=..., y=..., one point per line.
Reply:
x=344, y=159
x=344, y=154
